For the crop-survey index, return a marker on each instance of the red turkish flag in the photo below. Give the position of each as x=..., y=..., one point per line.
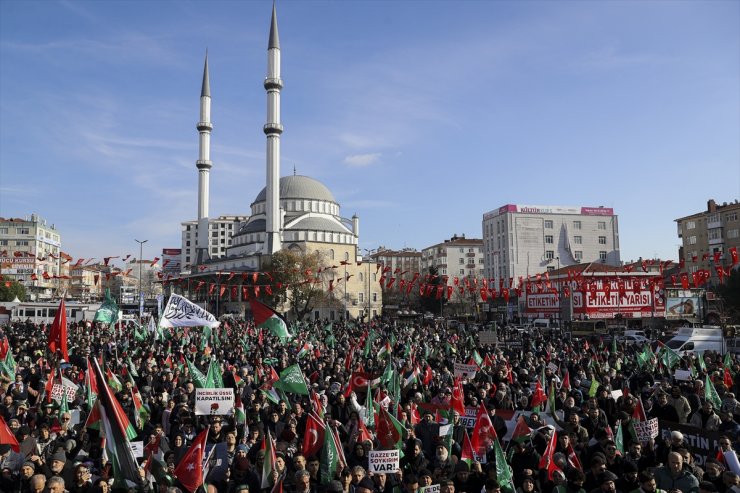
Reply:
x=457, y=402
x=483, y=433
x=685, y=280
x=190, y=469
x=58, y=332
x=388, y=435
x=314, y=437
x=7, y=437
x=733, y=255
x=720, y=273
x=547, y=461
x=539, y=396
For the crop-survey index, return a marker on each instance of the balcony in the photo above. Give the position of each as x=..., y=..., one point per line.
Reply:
x=470, y=254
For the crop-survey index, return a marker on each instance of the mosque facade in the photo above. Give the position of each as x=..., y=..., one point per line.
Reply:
x=293, y=212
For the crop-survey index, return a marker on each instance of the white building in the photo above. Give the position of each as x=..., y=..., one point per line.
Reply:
x=523, y=240
x=30, y=253
x=220, y=231
x=457, y=257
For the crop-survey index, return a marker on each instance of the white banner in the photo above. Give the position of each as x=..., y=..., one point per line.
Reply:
x=181, y=312
x=646, y=430
x=464, y=370
x=434, y=488
x=486, y=337
x=137, y=448
x=384, y=461
x=214, y=401
x=57, y=390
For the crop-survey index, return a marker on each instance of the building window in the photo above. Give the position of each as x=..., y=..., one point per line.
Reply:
x=480, y=260
x=461, y=261
x=602, y=255
x=346, y=256
x=578, y=255
x=548, y=239
x=715, y=234
x=550, y=268
x=3, y=231
x=730, y=216
x=21, y=243
x=548, y=223
x=331, y=254
x=692, y=240
x=602, y=240
x=549, y=254
x=732, y=233
x=22, y=231
x=690, y=224
x=578, y=240
x=375, y=297
x=601, y=225
x=462, y=250
x=462, y=272
x=713, y=218
x=361, y=297
x=576, y=224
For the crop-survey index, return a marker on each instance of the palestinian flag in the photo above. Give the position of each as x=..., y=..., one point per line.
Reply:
x=117, y=430
x=522, y=431
x=240, y=417
x=467, y=455
x=305, y=350
x=269, y=463
x=385, y=350
x=266, y=317
x=477, y=358
x=113, y=381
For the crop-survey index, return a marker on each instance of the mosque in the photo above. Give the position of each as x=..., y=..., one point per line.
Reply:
x=292, y=212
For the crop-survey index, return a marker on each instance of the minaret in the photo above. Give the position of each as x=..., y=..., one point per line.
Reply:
x=273, y=129
x=204, y=167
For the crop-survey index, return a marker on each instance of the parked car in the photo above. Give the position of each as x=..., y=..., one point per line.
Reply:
x=630, y=340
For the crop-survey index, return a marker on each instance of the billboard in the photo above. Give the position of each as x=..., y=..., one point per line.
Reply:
x=682, y=306
x=171, y=261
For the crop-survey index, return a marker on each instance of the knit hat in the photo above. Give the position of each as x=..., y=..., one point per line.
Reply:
x=366, y=483
x=462, y=466
x=59, y=456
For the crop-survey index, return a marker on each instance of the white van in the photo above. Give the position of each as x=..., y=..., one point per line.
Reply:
x=689, y=340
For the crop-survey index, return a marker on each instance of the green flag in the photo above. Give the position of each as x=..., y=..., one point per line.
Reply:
x=369, y=409
x=710, y=393
x=700, y=360
x=477, y=358
x=594, y=387
x=619, y=438
x=329, y=457
x=292, y=380
x=199, y=380
x=669, y=357
x=503, y=471
x=108, y=311
x=214, y=379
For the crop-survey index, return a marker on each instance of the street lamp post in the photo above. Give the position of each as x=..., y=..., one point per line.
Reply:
x=141, y=293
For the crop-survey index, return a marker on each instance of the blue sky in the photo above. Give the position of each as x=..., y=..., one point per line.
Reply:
x=420, y=116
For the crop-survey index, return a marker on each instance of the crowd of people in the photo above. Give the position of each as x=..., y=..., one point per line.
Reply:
x=60, y=450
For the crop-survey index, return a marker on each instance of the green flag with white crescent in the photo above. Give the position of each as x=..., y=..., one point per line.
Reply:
x=214, y=379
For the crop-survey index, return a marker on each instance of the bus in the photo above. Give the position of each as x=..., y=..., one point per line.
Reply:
x=44, y=312
x=588, y=328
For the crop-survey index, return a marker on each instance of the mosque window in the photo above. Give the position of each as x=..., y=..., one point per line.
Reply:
x=346, y=255
x=331, y=254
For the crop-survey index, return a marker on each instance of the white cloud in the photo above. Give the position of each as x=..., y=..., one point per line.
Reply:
x=361, y=160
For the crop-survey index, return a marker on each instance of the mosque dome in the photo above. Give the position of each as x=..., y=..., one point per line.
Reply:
x=300, y=187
